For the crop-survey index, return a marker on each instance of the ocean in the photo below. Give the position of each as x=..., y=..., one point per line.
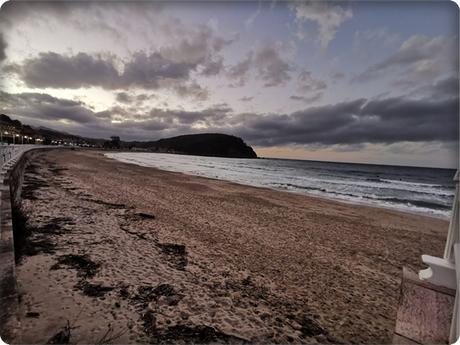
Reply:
x=428, y=191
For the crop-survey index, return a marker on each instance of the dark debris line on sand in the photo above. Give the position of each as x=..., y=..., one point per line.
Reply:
x=178, y=334
x=201, y=334
x=86, y=268
x=176, y=253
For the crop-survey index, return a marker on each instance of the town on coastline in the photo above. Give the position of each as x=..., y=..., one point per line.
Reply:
x=207, y=144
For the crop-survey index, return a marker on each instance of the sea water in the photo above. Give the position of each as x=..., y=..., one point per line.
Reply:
x=427, y=191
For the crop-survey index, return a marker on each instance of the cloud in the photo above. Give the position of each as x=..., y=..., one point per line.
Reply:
x=195, y=45
x=192, y=89
x=151, y=72
x=124, y=97
x=58, y=71
x=213, y=67
x=306, y=83
x=271, y=67
x=15, y=12
x=361, y=121
x=116, y=20
x=327, y=16
x=246, y=99
x=147, y=71
x=169, y=61
x=438, y=89
x=266, y=63
x=384, y=121
x=307, y=99
x=2, y=48
x=337, y=76
x=376, y=38
x=46, y=107
x=418, y=59
x=240, y=71
x=209, y=116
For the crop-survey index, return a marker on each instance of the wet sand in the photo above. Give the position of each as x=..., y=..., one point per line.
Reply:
x=126, y=254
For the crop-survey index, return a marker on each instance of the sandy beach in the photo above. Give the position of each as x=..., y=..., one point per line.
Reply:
x=126, y=254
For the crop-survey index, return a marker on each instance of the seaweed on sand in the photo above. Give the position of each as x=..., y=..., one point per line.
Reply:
x=176, y=253
x=147, y=294
x=86, y=268
x=93, y=290
x=200, y=334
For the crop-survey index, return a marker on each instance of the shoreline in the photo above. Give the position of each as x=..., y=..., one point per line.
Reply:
x=168, y=257
x=307, y=194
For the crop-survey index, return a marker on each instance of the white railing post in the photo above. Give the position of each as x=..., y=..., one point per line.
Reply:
x=455, y=324
x=453, y=234
x=446, y=271
x=442, y=271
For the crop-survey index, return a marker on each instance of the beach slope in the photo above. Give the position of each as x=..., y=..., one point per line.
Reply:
x=128, y=254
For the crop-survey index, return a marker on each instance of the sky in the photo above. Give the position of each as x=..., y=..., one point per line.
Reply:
x=367, y=82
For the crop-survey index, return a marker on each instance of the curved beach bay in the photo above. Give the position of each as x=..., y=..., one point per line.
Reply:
x=161, y=256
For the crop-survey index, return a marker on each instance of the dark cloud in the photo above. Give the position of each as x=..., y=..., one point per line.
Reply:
x=14, y=12
x=190, y=50
x=268, y=65
x=438, y=89
x=306, y=83
x=124, y=97
x=418, y=59
x=246, y=99
x=240, y=71
x=44, y=106
x=448, y=87
x=272, y=68
x=384, y=120
x=144, y=97
x=83, y=70
x=76, y=116
x=58, y=71
x=88, y=16
x=2, y=48
x=192, y=89
x=148, y=71
x=307, y=99
x=210, y=116
x=213, y=67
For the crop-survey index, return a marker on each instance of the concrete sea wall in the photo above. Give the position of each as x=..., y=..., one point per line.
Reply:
x=11, y=180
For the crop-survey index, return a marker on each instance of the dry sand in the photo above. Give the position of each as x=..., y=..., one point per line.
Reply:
x=218, y=262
